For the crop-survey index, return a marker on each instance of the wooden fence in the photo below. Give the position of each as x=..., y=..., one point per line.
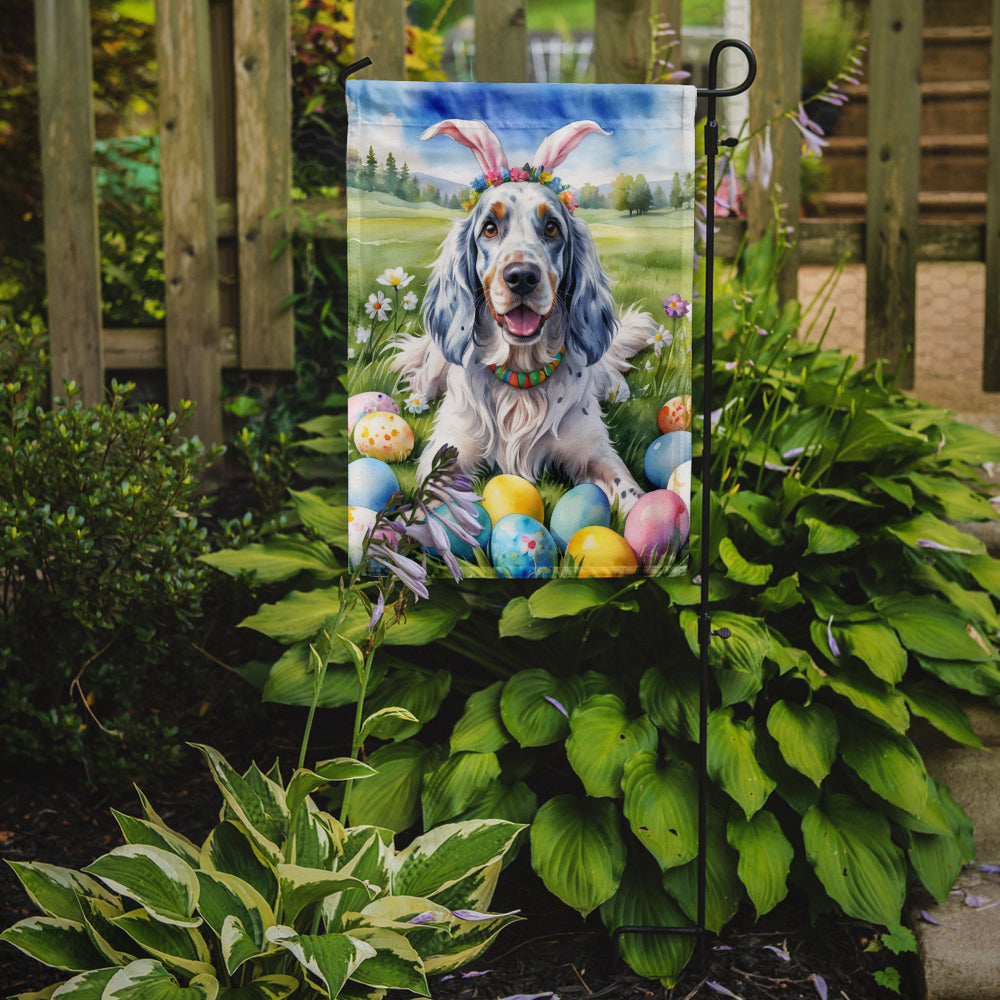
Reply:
x=226, y=161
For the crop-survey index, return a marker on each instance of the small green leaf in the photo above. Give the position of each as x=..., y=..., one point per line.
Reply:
x=577, y=850
x=383, y=723
x=828, y=539
x=327, y=520
x=417, y=690
x=741, y=571
x=301, y=887
x=395, y=964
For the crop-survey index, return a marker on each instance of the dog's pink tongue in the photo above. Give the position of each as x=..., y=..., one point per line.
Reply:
x=522, y=322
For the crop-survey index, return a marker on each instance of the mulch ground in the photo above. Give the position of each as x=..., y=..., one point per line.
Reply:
x=551, y=952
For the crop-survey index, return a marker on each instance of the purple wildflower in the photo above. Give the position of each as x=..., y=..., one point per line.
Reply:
x=676, y=307
x=408, y=571
x=377, y=612
x=811, y=132
x=834, y=648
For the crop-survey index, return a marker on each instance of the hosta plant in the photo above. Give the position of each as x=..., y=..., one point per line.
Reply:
x=279, y=900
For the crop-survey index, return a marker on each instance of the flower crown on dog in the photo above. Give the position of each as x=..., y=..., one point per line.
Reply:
x=483, y=142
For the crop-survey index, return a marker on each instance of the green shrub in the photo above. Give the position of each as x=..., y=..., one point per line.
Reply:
x=101, y=584
x=279, y=900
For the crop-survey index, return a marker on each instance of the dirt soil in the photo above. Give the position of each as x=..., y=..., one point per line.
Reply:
x=551, y=953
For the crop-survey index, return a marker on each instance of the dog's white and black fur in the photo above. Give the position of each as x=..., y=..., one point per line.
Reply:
x=514, y=282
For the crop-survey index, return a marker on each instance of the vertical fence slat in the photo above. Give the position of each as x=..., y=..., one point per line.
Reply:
x=621, y=40
x=501, y=41
x=190, y=253
x=261, y=56
x=776, y=34
x=380, y=34
x=893, y=183
x=72, y=256
x=991, y=332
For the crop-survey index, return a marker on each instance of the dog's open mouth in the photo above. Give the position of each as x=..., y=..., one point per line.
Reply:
x=521, y=321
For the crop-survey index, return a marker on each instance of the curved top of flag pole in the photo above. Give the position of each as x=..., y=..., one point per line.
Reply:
x=712, y=91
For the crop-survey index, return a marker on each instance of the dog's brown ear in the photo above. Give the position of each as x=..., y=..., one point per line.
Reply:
x=592, y=321
x=450, y=302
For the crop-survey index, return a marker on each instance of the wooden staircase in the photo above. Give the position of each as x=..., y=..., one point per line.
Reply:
x=955, y=91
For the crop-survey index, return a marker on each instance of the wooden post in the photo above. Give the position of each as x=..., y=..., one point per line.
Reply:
x=776, y=35
x=501, y=37
x=893, y=183
x=991, y=333
x=262, y=60
x=72, y=255
x=380, y=34
x=623, y=38
x=190, y=254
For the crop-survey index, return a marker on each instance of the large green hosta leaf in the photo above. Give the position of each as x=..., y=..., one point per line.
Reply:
x=391, y=798
x=226, y=897
x=671, y=699
x=930, y=627
x=456, y=784
x=661, y=806
x=888, y=763
x=86, y=986
x=641, y=901
x=876, y=646
x=535, y=706
x=732, y=760
x=561, y=598
x=180, y=948
x=481, y=727
x=578, y=851
x=765, y=858
x=602, y=738
x=415, y=689
x=275, y=987
x=936, y=704
x=738, y=661
x=926, y=528
x=850, y=848
x=279, y=558
x=807, y=736
x=395, y=964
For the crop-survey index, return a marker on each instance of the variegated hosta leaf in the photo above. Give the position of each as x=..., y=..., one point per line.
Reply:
x=147, y=979
x=86, y=986
x=315, y=838
x=56, y=891
x=395, y=964
x=225, y=897
x=54, y=941
x=476, y=890
x=535, y=706
x=467, y=941
x=158, y=880
x=275, y=987
x=116, y=946
x=300, y=887
x=456, y=784
x=578, y=851
x=481, y=727
x=256, y=801
x=807, y=736
x=732, y=760
x=850, y=847
x=441, y=857
x=366, y=855
x=177, y=947
x=602, y=737
x=661, y=805
x=230, y=849
x=141, y=831
x=723, y=889
x=765, y=858
x=642, y=902
x=329, y=959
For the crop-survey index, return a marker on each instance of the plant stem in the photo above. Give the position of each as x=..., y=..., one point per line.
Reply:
x=356, y=737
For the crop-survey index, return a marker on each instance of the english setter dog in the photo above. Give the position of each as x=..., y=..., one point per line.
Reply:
x=522, y=339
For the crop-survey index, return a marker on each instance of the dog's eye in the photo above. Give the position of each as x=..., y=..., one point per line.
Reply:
x=490, y=229
x=552, y=229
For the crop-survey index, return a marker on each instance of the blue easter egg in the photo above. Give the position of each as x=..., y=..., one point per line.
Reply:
x=584, y=506
x=664, y=455
x=370, y=483
x=462, y=550
x=521, y=548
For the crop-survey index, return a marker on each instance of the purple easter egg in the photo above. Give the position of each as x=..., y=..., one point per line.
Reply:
x=657, y=526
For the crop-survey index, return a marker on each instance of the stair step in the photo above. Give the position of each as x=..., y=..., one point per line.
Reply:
x=956, y=53
x=953, y=205
x=944, y=103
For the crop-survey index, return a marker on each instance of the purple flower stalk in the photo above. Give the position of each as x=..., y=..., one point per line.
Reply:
x=811, y=132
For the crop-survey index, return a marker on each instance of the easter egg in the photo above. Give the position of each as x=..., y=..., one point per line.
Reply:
x=599, y=551
x=580, y=507
x=675, y=415
x=664, y=455
x=463, y=550
x=360, y=520
x=368, y=402
x=386, y=436
x=680, y=483
x=521, y=548
x=370, y=483
x=657, y=526
x=509, y=494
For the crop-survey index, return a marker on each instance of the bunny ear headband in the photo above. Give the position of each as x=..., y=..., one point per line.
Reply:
x=481, y=139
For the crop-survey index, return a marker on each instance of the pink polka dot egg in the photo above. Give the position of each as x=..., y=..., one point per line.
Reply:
x=369, y=402
x=385, y=436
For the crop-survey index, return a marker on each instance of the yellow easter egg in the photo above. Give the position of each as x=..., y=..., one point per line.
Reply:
x=599, y=551
x=509, y=494
x=385, y=436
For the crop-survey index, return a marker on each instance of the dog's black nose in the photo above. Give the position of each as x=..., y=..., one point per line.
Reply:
x=521, y=277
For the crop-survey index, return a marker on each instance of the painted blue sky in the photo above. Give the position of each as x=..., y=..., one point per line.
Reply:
x=652, y=126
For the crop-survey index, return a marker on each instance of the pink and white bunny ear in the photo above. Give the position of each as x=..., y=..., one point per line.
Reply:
x=557, y=146
x=478, y=136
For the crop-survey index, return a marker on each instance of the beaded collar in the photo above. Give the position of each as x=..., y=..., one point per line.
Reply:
x=526, y=380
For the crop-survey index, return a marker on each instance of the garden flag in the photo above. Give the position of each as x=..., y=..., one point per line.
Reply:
x=520, y=271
